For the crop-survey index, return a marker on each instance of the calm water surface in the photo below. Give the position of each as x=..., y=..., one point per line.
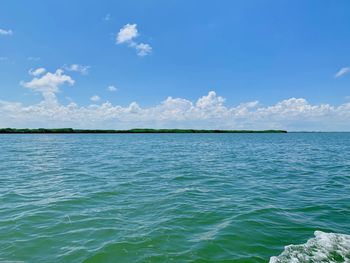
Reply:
x=175, y=197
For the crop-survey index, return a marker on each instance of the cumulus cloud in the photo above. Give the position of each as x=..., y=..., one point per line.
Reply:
x=127, y=35
x=37, y=72
x=4, y=32
x=95, y=98
x=342, y=72
x=207, y=112
x=77, y=68
x=112, y=88
x=49, y=83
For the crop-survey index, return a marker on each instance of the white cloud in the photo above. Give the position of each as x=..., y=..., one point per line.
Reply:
x=48, y=84
x=95, y=98
x=107, y=17
x=127, y=34
x=37, y=72
x=77, y=68
x=342, y=72
x=33, y=58
x=4, y=32
x=208, y=112
x=112, y=88
x=143, y=49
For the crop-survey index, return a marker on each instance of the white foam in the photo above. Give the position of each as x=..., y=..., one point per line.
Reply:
x=325, y=247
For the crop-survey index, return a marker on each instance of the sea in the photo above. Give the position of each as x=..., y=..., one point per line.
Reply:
x=175, y=197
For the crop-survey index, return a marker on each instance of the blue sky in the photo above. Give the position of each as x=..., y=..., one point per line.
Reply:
x=245, y=51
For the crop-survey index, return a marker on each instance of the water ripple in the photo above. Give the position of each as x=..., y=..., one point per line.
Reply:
x=170, y=197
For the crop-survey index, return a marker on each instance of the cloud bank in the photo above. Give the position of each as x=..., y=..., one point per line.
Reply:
x=207, y=112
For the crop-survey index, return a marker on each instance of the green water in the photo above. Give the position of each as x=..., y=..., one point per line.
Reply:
x=173, y=197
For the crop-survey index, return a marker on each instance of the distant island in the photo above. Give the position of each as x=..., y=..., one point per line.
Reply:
x=70, y=130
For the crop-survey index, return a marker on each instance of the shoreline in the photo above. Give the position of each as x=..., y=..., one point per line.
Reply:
x=70, y=130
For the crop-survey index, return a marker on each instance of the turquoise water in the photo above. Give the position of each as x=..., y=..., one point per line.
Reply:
x=175, y=197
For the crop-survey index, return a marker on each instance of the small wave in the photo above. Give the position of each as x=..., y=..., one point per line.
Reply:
x=325, y=247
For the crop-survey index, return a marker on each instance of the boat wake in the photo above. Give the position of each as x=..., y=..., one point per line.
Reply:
x=324, y=247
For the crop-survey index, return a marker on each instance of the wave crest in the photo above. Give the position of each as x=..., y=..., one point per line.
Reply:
x=325, y=247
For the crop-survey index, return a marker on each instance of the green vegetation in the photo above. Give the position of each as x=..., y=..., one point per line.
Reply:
x=70, y=130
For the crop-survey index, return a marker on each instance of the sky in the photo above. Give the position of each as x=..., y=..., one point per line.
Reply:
x=244, y=64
